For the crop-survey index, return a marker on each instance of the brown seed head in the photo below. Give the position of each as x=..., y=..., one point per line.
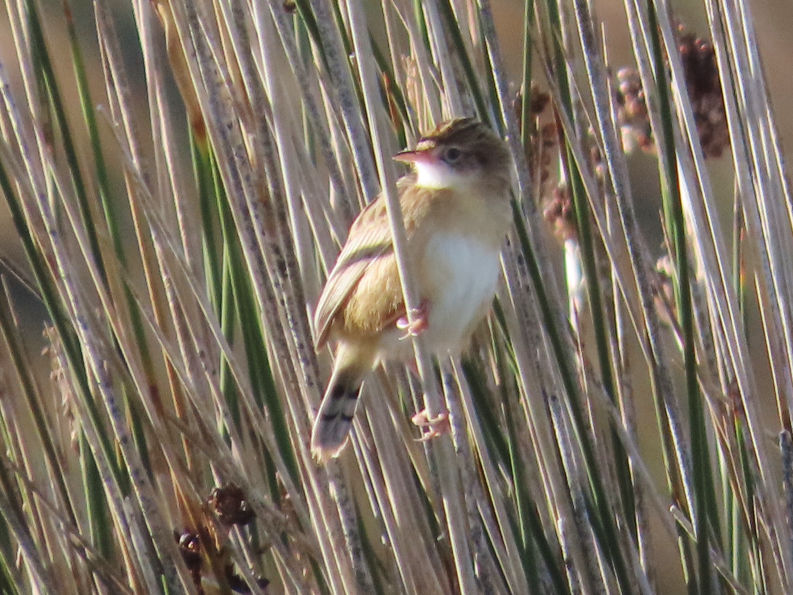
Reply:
x=704, y=91
x=230, y=505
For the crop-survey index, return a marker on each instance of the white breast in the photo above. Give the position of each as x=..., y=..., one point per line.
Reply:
x=466, y=270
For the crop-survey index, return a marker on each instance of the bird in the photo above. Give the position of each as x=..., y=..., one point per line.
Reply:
x=456, y=211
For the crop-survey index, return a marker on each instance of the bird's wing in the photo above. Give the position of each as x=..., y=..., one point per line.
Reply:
x=369, y=250
x=369, y=240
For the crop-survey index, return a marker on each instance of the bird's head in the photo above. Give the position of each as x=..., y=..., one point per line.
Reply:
x=459, y=153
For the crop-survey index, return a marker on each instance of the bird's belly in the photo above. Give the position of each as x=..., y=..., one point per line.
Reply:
x=464, y=273
x=457, y=276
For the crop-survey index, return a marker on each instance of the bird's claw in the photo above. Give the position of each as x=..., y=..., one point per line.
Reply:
x=432, y=427
x=418, y=325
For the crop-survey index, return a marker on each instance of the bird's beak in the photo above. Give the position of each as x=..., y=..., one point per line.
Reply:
x=413, y=156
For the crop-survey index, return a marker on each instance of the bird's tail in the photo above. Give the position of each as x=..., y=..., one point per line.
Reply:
x=334, y=418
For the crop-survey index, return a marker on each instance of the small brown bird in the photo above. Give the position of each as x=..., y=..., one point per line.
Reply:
x=456, y=210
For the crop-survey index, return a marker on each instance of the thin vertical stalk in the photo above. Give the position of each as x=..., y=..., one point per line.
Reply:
x=449, y=478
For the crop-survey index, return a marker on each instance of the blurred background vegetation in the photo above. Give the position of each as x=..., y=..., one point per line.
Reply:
x=177, y=178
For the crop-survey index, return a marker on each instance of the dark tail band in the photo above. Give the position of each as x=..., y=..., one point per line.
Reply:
x=334, y=418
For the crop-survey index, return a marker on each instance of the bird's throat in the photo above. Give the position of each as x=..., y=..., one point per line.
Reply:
x=437, y=175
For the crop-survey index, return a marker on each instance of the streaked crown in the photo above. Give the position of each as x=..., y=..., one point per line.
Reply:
x=468, y=146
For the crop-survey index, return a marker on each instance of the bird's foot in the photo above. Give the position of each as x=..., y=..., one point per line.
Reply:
x=431, y=427
x=418, y=325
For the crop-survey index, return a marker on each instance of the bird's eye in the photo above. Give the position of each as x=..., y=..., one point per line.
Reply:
x=452, y=154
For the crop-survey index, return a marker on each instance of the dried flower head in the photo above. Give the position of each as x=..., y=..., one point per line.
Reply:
x=542, y=146
x=190, y=548
x=704, y=91
x=632, y=114
x=559, y=213
x=230, y=505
